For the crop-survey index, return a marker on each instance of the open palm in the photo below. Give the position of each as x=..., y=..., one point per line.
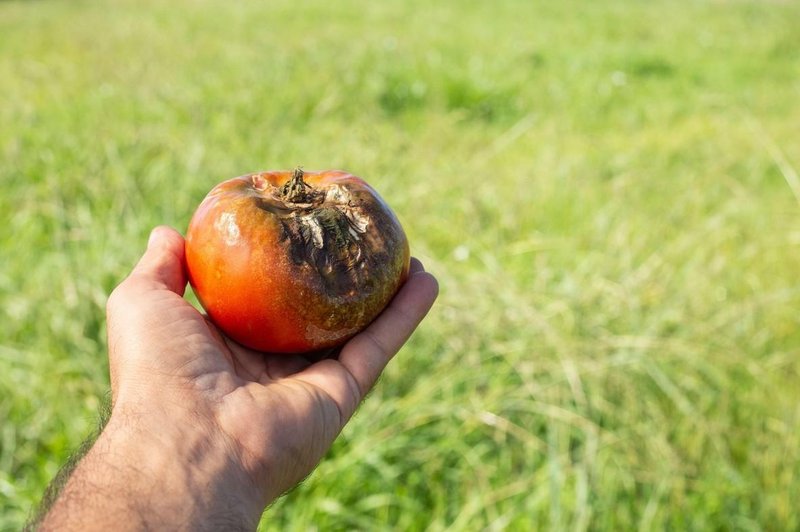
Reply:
x=279, y=413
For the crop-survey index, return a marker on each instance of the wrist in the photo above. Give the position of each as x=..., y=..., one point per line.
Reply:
x=187, y=466
x=147, y=474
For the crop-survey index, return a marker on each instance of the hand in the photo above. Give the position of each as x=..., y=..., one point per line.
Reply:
x=204, y=431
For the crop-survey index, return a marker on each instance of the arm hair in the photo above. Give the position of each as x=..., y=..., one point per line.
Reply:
x=60, y=480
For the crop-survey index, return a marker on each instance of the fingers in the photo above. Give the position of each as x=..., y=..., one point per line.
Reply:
x=163, y=261
x=338, y=383
x=366, y=355
x=416, y=266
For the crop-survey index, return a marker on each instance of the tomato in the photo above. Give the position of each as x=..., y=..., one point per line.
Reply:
x=293, y=261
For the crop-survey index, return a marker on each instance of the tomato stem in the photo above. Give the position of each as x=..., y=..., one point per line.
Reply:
x=294, y=190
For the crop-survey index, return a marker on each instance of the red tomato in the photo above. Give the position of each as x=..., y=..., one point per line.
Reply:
x=290, y=262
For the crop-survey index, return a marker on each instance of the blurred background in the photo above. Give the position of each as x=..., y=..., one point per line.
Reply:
x=607, y=191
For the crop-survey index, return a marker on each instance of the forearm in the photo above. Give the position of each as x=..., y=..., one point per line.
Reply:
x=139, y=479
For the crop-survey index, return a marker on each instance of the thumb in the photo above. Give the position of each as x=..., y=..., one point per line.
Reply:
x=163, y=261
x=133, y=313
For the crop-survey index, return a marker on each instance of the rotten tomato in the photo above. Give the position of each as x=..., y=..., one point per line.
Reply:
x=293, y=261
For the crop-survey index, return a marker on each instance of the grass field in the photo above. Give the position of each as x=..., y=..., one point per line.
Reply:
x=607, y=191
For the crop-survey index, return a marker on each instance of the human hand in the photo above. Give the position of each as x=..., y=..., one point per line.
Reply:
x=205, y=432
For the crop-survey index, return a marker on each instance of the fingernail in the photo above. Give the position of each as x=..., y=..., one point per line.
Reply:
x=155, y=236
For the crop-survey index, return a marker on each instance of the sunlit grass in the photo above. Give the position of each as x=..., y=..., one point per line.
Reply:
x=604, y=189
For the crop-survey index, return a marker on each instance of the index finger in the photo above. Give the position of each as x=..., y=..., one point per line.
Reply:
x=366, y=355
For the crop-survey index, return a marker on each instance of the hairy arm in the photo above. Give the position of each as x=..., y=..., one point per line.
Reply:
x=56, y=486
x=132, y=478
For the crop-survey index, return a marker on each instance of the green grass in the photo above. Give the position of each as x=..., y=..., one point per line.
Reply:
x=607, y=191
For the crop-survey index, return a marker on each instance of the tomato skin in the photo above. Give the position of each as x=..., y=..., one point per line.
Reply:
x=288, y=264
